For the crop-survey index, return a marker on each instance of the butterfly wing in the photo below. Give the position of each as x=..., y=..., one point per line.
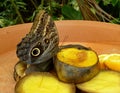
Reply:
x=41, y=43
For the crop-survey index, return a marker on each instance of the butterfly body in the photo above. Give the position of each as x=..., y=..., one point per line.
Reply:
x=40, y=44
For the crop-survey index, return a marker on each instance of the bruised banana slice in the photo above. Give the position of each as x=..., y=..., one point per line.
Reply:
x=19, y=70
x=76, y=63
x=42, y=82
x=104, y=82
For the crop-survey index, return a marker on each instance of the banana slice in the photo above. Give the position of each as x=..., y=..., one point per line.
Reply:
x=110, y=61
x=105, y=82
x=42, y=82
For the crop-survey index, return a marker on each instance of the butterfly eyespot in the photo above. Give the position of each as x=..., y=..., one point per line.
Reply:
x=35, y=52
x=46, y=41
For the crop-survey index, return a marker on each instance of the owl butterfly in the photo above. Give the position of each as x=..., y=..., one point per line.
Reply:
x=37, y=48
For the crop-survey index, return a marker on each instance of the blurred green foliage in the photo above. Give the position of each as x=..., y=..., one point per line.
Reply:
x=112, y=7
x=22, y=11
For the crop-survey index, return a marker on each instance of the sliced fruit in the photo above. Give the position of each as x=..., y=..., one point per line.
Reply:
x=104, y=82
x=76, y=63
x=113, y=62
x=102, y=59
x=42, y=82
x=110, y=61
x=19, y=70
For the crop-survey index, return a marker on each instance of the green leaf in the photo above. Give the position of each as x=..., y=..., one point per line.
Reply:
x=21, y=5
x=4, y=22
x=54, y=4
x=114, y=2
x=98, y=1
x=70, y=13
x=93, y=10
x=106, y=2
x=116, y=21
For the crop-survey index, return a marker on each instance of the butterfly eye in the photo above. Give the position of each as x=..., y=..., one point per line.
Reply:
x=46, y=41
x=35, y=52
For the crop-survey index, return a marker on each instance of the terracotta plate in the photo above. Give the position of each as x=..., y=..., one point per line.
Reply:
x=102, y=37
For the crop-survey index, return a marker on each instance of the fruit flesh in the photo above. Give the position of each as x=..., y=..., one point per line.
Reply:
x=42, y=82
x=76, y=57
x=76, y=64
x=105, y=82
x=110, y=61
